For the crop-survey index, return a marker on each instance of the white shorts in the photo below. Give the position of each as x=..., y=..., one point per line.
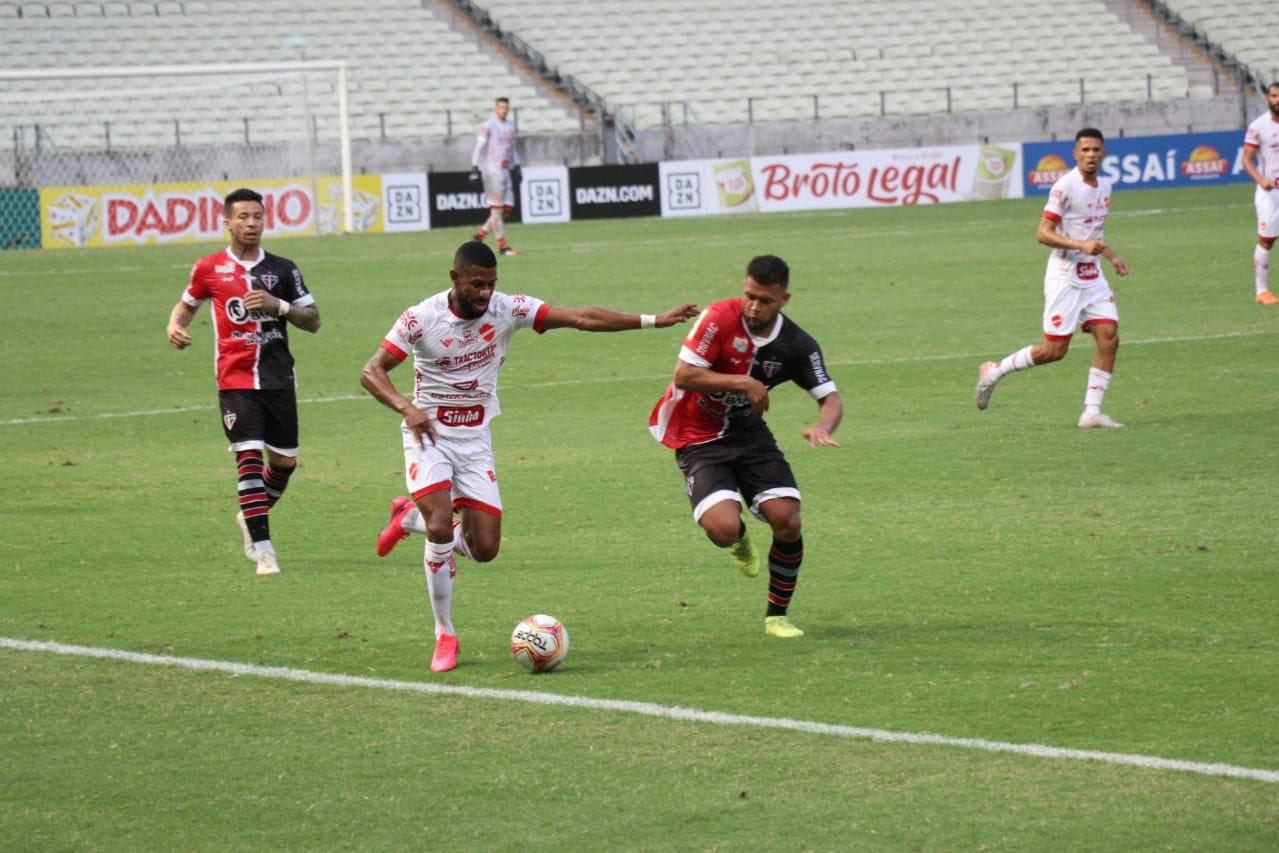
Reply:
x=1068, y=306
x=465, y=467
x=498, y=188
x=1267, y=204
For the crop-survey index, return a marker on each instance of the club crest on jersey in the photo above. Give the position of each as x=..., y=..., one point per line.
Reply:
x=228, y=419
x=770, y=368
x=446, y=342
x=488, y=332
x=740, y=344
x=269, y=280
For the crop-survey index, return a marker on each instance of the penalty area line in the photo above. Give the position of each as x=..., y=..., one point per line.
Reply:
x=648, y=709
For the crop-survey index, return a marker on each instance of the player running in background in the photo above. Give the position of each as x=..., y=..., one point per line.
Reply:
x=711, y=415
x=255, y=296
x=495, y=145
x=1261, y=162
x=1076, y=292
x=458, y=339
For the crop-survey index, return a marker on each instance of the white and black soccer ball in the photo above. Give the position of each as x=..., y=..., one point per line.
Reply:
x=539, y=642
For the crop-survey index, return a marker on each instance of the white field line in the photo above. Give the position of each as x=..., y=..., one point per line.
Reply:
x=649, y=709
x=341, y=398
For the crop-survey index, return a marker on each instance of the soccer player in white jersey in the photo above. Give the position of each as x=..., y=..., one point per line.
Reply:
x=458, y=339
x=495, y=146
x=1261, y=162
x=1076, y=293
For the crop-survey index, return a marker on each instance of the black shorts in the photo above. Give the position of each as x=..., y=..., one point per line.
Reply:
x=253, y=420
x=750, y=466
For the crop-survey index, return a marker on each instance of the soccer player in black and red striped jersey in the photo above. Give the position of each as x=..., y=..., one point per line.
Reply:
x=712, y=417
x=255, y=296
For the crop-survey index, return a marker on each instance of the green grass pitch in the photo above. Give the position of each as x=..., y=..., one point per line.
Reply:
x=999, y=575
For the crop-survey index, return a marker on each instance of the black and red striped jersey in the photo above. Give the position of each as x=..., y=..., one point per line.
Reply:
x=251, y=347
x=721, y=341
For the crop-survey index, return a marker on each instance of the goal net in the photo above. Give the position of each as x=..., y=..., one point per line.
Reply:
x=144, y=154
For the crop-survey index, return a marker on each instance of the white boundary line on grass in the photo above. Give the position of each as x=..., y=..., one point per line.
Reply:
x=648, y=709
x=341, y=398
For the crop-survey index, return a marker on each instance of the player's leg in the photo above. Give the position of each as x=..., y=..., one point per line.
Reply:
x=244, y=423
x=281, y=435
x=477, y=500
x=769, y=486
x=1105, y=331
x=1267, y=231
x=504, y=213
x=1060, y=317
x=436, y=506
x=717, y=503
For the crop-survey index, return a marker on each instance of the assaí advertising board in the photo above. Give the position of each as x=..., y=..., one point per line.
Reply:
x=1144, y=162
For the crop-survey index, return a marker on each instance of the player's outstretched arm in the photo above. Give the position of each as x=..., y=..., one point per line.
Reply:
x=376, y=379
x=593, y=318
x=830, y=413
x=179, y=318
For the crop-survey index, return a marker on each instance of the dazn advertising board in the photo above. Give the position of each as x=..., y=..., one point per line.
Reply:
x=600, y=192
x=457, y=200
x=1144, y=162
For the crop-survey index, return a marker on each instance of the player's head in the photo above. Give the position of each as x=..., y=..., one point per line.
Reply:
x=244, y=214
x=765, y=291
x=1272, y=98
x=474, y=276
x=501, y=107
x=1090, y=148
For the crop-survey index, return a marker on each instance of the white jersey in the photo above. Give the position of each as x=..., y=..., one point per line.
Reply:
x=456, y=361
x=1263, y=134
x=1080, y=210
x=496, y=142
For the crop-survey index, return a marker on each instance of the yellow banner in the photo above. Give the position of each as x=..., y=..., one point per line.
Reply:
x=150, y=214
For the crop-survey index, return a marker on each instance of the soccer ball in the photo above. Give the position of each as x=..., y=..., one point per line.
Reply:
x=539, y=642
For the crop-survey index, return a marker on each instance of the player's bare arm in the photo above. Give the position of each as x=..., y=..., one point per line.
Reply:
x=1120, y=265
x=1250, y=166
x=376, y=379
x=830, y=411
x=1049, y=234
x=306, y=318
x=179, y=319
x=690, y=377
x=593, y=318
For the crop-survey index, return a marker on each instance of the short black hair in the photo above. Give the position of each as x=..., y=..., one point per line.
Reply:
x=503, y=100
x=242, y=194
x=1274, y=85
x=1089, y=133
x=769, y=269
x=473, y=253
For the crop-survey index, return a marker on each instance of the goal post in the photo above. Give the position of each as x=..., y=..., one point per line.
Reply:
x=180, y=124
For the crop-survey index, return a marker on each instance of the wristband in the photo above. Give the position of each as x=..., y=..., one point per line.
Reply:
x=283, y=310
x=648, y=321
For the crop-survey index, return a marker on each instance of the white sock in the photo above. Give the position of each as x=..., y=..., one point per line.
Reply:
x=413, y=522
x=1261, y=267
x=1019, y=360
x=1098, y=382
x=440, y=569
x=459, y=541
x=264, y=545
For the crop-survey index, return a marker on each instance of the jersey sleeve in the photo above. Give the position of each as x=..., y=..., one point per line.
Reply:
x=404, y=335
x=526, y=312
x=1252, y=136
x=295, y=288
x=704, y=341
x=197, y=289
x=1058, y=201
x=811, y=373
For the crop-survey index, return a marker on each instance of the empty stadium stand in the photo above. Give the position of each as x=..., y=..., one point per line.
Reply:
x=411, y=74
x=734, y=61
x=1242, y=29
